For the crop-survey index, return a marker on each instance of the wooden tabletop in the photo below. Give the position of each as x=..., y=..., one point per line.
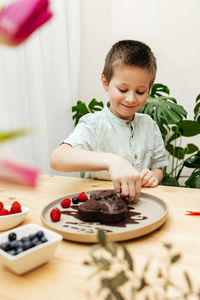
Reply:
x=65, y=276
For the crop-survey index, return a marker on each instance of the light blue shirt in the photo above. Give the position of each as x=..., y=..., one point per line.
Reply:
x=139, y=141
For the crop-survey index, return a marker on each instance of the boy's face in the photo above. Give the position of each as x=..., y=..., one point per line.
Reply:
x=128, y=90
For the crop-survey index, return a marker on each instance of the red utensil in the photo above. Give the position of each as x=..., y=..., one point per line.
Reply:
x=193, y=213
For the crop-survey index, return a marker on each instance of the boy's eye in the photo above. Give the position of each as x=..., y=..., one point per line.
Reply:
x=140, y=93
x=123, y=91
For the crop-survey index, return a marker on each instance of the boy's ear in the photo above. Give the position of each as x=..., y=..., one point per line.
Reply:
x=104, y=82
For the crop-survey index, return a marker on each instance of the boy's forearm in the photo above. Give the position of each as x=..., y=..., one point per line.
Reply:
x=158, y=173
x=68, y=159
x=126, y=180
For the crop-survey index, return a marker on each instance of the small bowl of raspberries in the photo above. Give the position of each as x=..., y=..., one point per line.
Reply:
x=27, y=247
x=12, y=215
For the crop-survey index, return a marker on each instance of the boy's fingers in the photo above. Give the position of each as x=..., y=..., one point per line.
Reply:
x=151, y=183
x=143, y=173
x=117, y=186
x=124, y=189
x=137, y=190
x=132, y=191
x=145, y=180
x=151, y=179
x=155, y=182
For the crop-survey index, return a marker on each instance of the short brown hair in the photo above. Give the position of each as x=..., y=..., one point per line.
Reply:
x=130, y=52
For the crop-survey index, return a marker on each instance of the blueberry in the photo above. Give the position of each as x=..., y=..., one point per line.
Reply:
x=27, y=245
x=12, y=236
x=13, y=245
x=40, y=234
x=35, y=241
x=12, y=252
x=43, y=239
x=5, y=246
x=92, y=195
x=75, y=200
x=38, y=243
x=19, y=244
x=19, y=250
x=31, y=236
x=24, y=239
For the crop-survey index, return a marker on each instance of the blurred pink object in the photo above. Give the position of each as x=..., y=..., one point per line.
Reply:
x=18, y=173
x=21, y=18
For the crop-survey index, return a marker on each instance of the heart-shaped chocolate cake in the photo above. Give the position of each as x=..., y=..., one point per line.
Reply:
x=104, y=207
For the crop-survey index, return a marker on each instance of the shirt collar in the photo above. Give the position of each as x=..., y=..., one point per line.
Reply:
x=117, y=120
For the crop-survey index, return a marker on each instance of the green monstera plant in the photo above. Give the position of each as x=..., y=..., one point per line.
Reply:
x=170, y=118
x=174, y=125
x=81, y=109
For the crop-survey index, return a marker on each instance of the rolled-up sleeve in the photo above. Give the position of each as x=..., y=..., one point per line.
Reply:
x=83, y=135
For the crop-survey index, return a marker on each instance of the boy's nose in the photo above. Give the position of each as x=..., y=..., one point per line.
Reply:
x=130, y=97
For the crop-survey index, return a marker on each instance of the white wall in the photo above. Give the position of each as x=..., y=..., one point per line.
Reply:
x=96, y=39
x=44, y=70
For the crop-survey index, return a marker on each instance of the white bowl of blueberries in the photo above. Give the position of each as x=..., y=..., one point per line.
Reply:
x=27, y=247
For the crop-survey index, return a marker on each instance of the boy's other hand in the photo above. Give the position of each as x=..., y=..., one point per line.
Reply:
x=126, y=180
x=148, y=179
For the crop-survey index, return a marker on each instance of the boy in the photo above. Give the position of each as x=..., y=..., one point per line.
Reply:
x=118, y=143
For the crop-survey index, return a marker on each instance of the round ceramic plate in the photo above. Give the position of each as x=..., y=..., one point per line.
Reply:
x=145, y=216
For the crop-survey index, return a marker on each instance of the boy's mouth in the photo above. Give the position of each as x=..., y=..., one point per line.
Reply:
x=128, y=106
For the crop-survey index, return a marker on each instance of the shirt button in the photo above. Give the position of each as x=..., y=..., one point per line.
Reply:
x=135, y=156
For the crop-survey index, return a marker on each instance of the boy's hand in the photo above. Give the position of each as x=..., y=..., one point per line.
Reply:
x=126, y=180
x=148, y=179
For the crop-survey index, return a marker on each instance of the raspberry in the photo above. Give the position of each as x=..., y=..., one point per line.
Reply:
x=4, y=212
x=55, y=214
x=66, y=203
x=1, y=205
x=82, y=197
x=15, y=208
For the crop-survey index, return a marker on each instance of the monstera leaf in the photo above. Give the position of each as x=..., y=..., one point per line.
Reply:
x=197, y=109
x=82, y=109
x=164, y=110
x=189, y=128
x=180, y=152
x=194, y=180
x=168, y=180
x=158, y=89
x=193, y=161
